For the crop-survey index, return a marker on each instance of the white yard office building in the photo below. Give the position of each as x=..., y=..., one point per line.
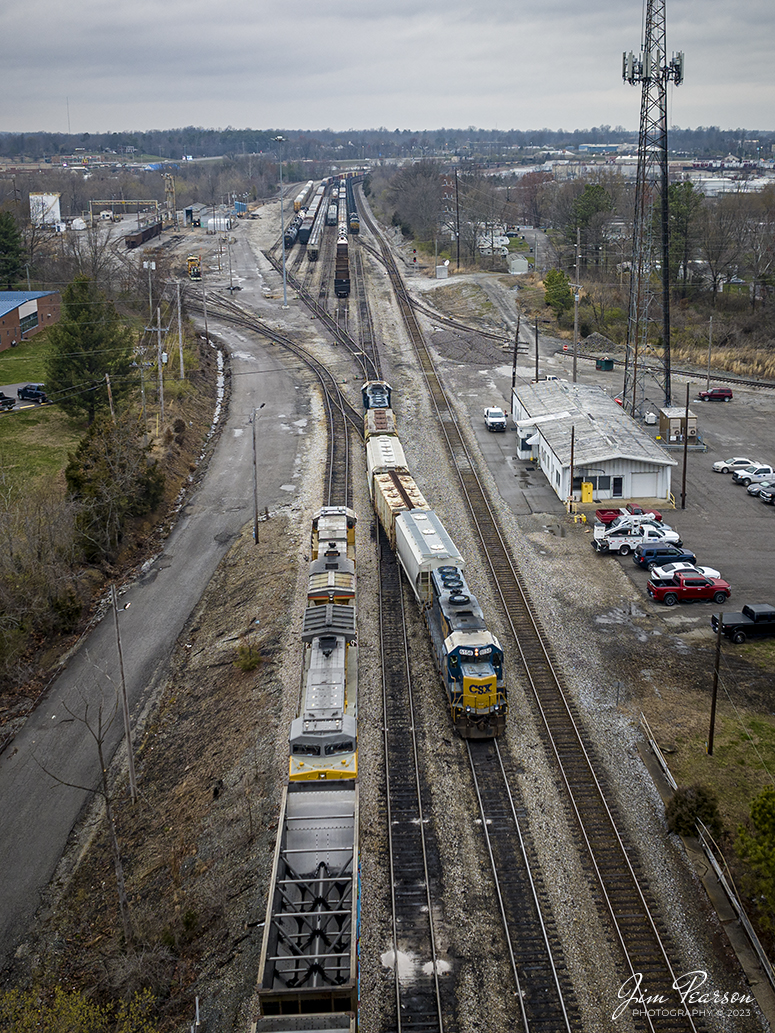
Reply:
x=586, y=445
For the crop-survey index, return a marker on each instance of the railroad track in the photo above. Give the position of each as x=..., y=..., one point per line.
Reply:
x=544, y=995
x=342, y=417
x=644, y=946
x=368, y=360
x=422, y=1003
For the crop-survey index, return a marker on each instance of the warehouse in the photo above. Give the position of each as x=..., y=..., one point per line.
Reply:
x=23, y=313
x=586, y=445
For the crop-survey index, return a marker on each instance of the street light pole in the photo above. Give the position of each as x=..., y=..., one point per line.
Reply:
x=254, y=421
x=281, y=141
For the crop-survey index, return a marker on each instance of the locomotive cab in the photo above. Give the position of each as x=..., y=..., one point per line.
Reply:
x=470, y=657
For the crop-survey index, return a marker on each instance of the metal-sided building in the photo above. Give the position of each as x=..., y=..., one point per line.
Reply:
x=586, y=445
x=24, y=313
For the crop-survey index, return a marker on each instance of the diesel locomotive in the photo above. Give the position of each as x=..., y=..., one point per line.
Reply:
x=469, y=657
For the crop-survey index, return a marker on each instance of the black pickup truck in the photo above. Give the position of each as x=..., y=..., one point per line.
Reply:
x=755, y=619
x=6, y=402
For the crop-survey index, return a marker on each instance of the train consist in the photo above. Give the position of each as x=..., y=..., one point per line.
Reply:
x=310, y=215
x=153, y=229
x=353, y=221
x=308, y=973
x=342, y=260
x=469, y=658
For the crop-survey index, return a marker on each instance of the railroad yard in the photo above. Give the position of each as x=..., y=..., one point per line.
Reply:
x=517, y=883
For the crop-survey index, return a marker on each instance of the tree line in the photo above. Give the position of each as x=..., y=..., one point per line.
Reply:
x=377, y=143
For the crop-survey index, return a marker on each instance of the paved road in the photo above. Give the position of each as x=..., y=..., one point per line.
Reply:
x=37, y=813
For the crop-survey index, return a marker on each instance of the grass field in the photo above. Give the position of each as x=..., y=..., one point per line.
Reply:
x=34, y=441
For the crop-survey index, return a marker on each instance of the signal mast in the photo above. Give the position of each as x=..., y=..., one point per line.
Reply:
x=650, y=292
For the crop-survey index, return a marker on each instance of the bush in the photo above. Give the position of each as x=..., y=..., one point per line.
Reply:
x=691, y=804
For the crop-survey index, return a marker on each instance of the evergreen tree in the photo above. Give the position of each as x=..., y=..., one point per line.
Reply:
x=757, y=846
x=88, y=342
x=557, y=292
x=11, y=251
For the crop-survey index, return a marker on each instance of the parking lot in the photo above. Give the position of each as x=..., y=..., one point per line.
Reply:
x=721, y=523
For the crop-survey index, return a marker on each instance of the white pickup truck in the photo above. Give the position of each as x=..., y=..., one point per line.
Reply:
x=624, y=539
x=494, y=418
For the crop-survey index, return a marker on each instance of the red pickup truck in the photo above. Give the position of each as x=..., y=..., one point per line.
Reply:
x=607, y=516
x=685, y=587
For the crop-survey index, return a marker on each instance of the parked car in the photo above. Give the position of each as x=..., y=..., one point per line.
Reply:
x=767, y=495
x=735, y=463
x=748, y=474
x=687, y=588
x=681, y=567
x=755, y=487
x=6, y=402
x=33, y=393
x=651, y=555
x=716, y=394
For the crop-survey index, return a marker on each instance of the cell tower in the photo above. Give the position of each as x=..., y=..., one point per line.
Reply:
x=648, y=346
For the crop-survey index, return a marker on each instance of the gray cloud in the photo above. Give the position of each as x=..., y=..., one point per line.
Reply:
x=413, y=64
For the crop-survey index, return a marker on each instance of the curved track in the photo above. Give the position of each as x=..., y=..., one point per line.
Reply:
x=341, y=416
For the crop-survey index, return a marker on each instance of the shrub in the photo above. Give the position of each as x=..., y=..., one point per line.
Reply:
x=691, y=804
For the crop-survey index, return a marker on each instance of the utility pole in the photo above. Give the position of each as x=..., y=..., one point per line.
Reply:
x=160, y=363
x=650, y=245
x=576, y=289
x=281, y=141
x=180, y=335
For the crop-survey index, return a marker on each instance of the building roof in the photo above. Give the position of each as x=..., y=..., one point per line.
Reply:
x=9, y=300
x=603, y=431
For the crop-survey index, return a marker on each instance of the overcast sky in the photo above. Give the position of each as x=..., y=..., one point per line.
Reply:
x=113, y=65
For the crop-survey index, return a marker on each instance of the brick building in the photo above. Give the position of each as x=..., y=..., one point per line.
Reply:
x=23, y=313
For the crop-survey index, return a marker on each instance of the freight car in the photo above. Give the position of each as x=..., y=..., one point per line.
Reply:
x=313, y=244
x=308, y=971
x=132, y=240
x=469, y=657
x=303, y=196
x=292, y=230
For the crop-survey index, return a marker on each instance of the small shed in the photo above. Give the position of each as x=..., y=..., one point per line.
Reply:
x=675, y=427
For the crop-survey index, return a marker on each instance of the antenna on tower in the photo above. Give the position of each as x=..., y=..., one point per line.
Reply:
x=647, y=341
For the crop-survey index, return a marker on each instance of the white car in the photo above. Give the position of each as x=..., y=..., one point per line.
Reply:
x=665, y=572
x=735, y=463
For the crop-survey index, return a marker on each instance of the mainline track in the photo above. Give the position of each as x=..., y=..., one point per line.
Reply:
x=643, y=942
x=544, y=995
x=422, y=1004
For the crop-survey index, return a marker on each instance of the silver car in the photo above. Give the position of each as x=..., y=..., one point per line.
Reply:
x=756, y=487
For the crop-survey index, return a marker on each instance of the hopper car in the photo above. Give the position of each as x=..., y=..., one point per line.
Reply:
x=308, y=970
x=153, y=229
x=303, y=196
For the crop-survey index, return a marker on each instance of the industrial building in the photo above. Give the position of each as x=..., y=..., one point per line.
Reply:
x=586, y=445
x=24, y=313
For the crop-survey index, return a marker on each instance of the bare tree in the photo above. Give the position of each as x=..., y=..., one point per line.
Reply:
x=98, y=725
x=719, y=237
